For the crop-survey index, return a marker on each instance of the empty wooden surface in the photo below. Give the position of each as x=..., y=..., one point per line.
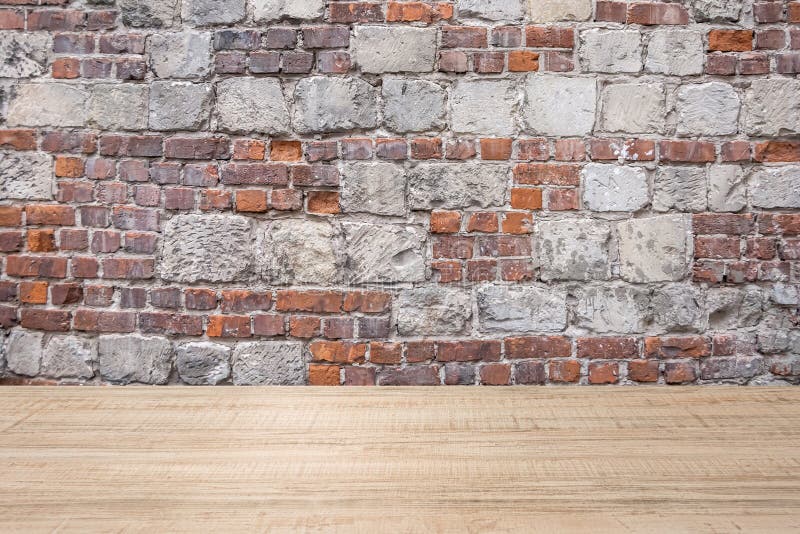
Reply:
x=711, y=459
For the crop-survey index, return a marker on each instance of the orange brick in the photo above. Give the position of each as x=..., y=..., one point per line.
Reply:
x=517, y=223
x=338, y=351
x=286, y=151
x=730, y=40
x=69, y=167
x=523, y=61
x=251, y=200
x=323, y=375
x=10, y=216
x=66, y=68
x=249, y=149
x=41, y=240
x=33, y=292
x=526, y=199
x=326, y=202
x=483, y=222
x=445, y=222
x=495, y=149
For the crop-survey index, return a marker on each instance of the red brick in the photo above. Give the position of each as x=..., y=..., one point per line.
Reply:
x=506, y=37
x=418, y=12
x=243, y=300
x=49, y=320
x=255, y=174
x=310, y=301
x=723, y=223
x=106, y=241
x=38, y=266
x=445, y=222
x=50, y=215
x=484, y=221
x=563, y=199
x=12, y=19
x=392, y=149
x=788, y=63
x=453, y=61
x=532, y=372
x=751, y=63
x=417, y=375
x=171, y=324
x=603, y=372
x=570, y=150
x=323, y=202
x=495, y=149
x=496, y=374
x=13, y=242
x=481, y=270
x=777, y=151
x=547, y=174
x=51, y=19
x=197, y=147
x=611, y=11
x=772, y=39
x=657, y=13
x=499, y=246
x=200, y=299
x=33, y=292
x=779, y=223
x=453, y=247
x=609, y=348
x=338, y=328
x=538, y=347
x=549, y=37
x=359, y=376
x=626, y=149
x=463, y=37
x=41, y=240
x=237, y=326
x=215, y=199
x=84, y=267
x=460, y=149
x=736, y=151
x=517, y=223
x=721, y=64
x=426, y=148
x=565, y=370
x=178, y=198
x=643, y=370
x=68, y=293
x=18, y=139
x=66, y=68
x=249, y=149
x=420, y=351
x=679, y=372
x=367, y=301
x=128, y=268
x=766, y=12
x=304, y=326
x=268, y=325
x=677, y=347
x=385, y=353
x=717, y=247
x=489, y=62
x=105, y=321
x=356, y=149
x=471, y=350
x=687, y=151
x=315, y=175
x=516, y=270
x=337, y=351
x=446, y=272
x=349, y=12
x=251, y=201
x=10, y=216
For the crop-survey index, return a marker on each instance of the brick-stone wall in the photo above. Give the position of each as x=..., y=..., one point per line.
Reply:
x=443, y=192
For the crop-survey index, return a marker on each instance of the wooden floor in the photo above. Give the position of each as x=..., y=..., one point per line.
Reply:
x=709, y=459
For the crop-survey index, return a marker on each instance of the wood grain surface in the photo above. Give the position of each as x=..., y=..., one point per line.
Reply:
x=713, y=459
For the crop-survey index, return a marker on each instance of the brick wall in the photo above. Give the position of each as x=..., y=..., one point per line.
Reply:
x=445, y=192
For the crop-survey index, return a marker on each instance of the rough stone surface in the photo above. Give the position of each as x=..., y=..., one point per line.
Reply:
x=395, y=49
x=715, y=10
x=775, y=187
x=384, y=253
x=611, y=50
x=574, y=251
x=413, y=105
x=149, y=13
x=268, y=363
x=557, y=105
x=300, y=251
x=24, y=352
x=118, y=107
x=209, y=248
x=132, y=358
x=269, y=10
x=327, y=104
x=772, y=107
x=180, y=105
x=726, y=188
x=614, y=187
x=47, y=104
x=25, y=176
x=612, y=309
x=521, y=309
x=378, y=188
x=634, y=108
x=24, y=55
x=679, y=308
x=69, y=357
x=449, y=186
x=508, y=10
x=483, y=107
x=180, y=55
x=431, y=311
x=252, y=105
x=203, y=12
x=557, y=10
x=730, y=308
x=707, y=109
x=681, y=188
x=203, y=364
x=675, y=52
x=655, y=249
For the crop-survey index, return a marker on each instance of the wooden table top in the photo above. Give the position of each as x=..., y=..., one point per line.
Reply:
x=551, y=459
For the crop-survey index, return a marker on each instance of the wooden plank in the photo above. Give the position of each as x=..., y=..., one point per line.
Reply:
x=400, y=460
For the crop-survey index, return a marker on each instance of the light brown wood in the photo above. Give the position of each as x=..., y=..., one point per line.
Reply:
x=400, y=460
